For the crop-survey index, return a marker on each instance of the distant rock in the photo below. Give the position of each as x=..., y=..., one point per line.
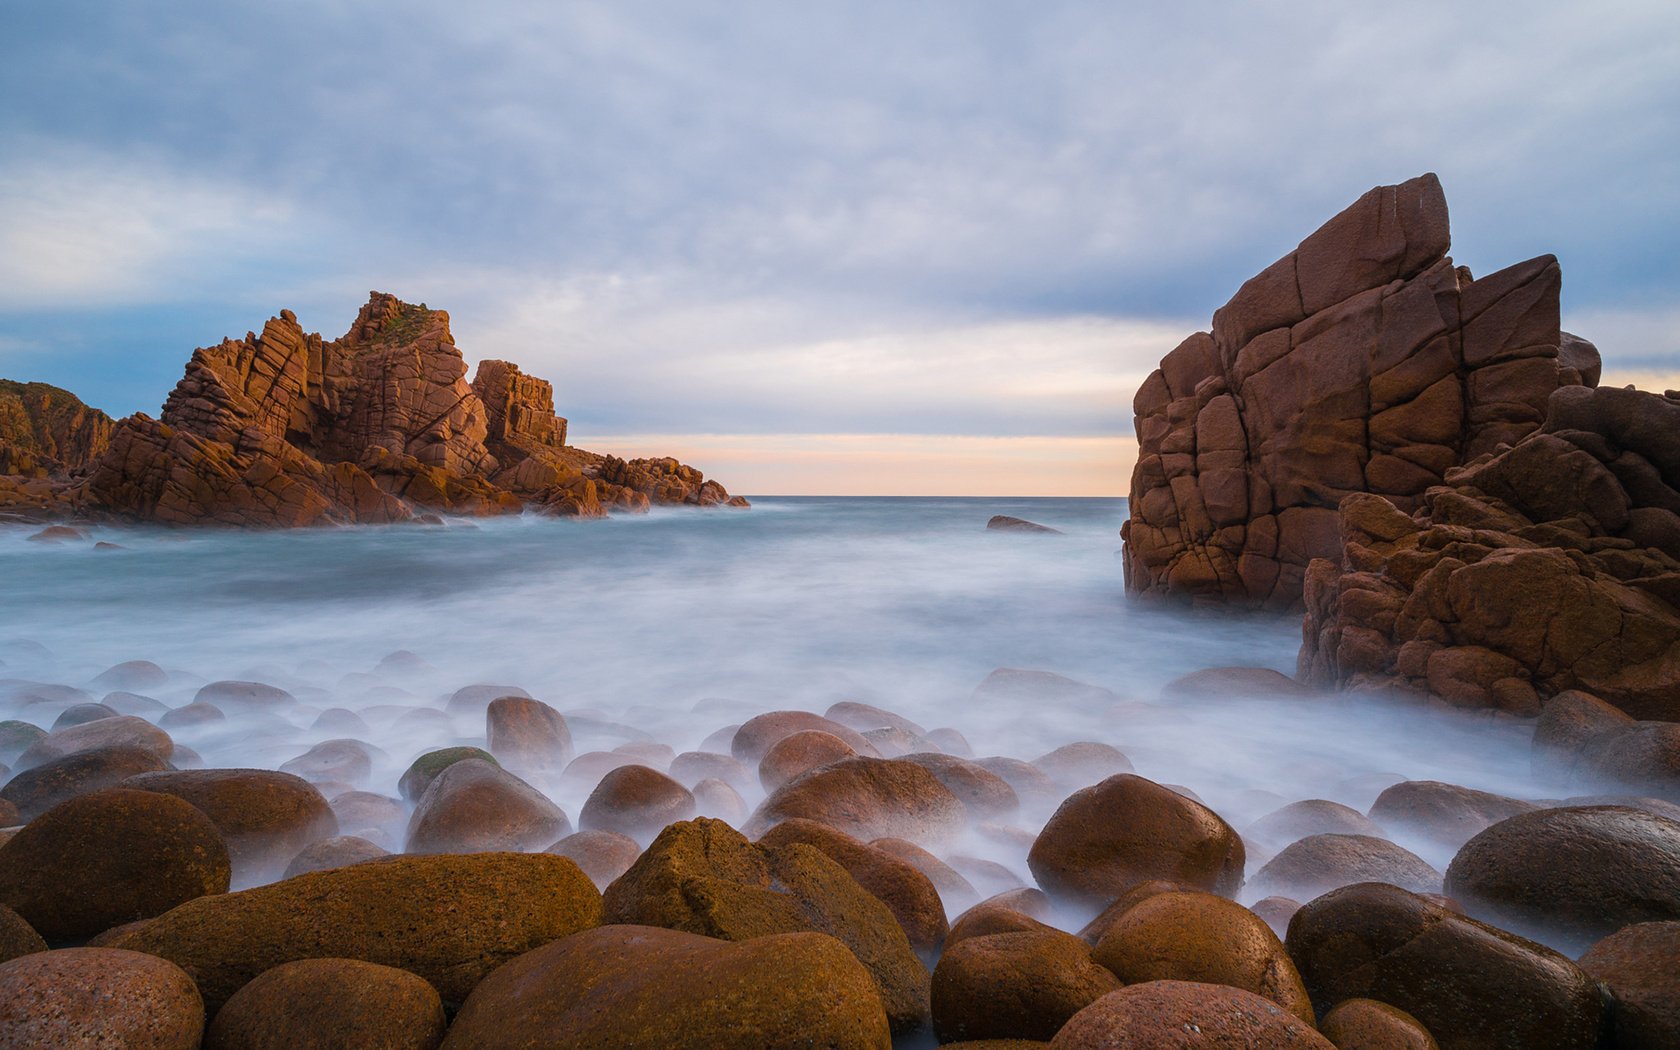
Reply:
x=1005, y=523
x=1362, y=362
x=288, y=429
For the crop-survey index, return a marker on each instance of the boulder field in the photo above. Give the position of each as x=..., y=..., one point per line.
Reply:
x=285, y=428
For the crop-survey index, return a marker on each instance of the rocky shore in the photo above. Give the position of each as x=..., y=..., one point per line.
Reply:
x=1484, y=544
x=285, y=429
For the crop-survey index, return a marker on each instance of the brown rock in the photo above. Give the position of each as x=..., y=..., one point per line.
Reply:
x=1365, y=1024
x=1572, y=875
x=1221, y=683
x=34, y=791
x=1445, y=814
x=1314, y=816
x=1178, y=936
x=81, y=714
x=528, y=734
x=1033, y=786
x=603, y=855
x=586, y=770
x=993, y=916
x=326, y=1004
x=716, y=798
x=1105, y=839
x=473, y=806
x=194, y=714
x=691, y=767
x=115, y=731
x=636, y=986
x=448, y=919
x=17, y=937
x=1637, y=964
x=797, y=754
x=48, y=432
x=957, y=892
x=986, y=795
x=341, y=851
x=265, y=817
x=87, y=997
x=1015, y=985
x=1186, y=1015
x=1093, y=931
x=244, y=696
x=1470, y=984
x=758, y=735
x=867, y=798
x=334, y=762
x=703, y=877
x=16, y=738
x=110, y=857
x=424, y=769
x=132, y=675
x=1005, y=523
x=1083, y=763
x=1320, y=863
x=370, y=815
x=1014, y=684
x=908, y=893
x=1362, y=362
x=863, y=717
x=636, y=801
x=1276, y=912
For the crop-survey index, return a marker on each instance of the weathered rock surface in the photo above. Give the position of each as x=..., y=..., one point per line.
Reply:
x=1320, y=863
x=110, y=857
x=630, y=986
x=329, y=1004
x=1470, y=984
x=1571, y=876
x=1015, y=985
x=1361, y=362
x=265, y=817
x=475, y=807
x=1182, y=1015
x=34, y=791
x=636, y=801
x=867, y=798
x=448, y=919
x=97, y=997
x=1637, y=964
x=1553, y=565
x=702, y=876
x=1365, y=1024
x=284, y=428
x=17, y=937
x=45, y=431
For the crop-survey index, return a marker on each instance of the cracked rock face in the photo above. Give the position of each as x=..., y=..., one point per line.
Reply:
x=1554, y=565
x=288, y=429
x=1363, y=361
x=45, y=431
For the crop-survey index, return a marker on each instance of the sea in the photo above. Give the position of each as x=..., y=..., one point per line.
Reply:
x=673, y=625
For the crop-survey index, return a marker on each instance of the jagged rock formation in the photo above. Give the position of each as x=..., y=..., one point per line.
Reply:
x=288, y=429
x=1553, y=565
x=47, y=432
x=1363, y=361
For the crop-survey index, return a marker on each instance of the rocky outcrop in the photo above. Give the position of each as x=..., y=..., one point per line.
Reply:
x=1554, y=565
x=284, y=428
x=1362, y=362
x=45, y=431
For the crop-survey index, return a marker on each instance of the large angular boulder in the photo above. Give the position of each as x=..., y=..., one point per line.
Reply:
x=1553, y=565
x=1362, y=362
x=448, y=919
x=626, y=987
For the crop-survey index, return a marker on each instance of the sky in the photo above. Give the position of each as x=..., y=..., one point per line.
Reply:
x=824, y=247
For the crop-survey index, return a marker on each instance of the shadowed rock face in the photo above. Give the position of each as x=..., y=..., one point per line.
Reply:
x=45, y=431
x=1363, y=361
x=286, y=428
x=1554, y=565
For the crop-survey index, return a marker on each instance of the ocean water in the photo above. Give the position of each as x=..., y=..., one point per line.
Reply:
x=673, y=625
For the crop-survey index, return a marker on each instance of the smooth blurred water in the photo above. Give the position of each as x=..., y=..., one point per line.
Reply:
x=906, y=603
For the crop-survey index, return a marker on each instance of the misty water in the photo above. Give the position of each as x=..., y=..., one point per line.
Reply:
x=671, y=626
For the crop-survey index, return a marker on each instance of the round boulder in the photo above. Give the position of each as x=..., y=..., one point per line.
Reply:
x=1015, y=985
x=334, y=762
x=328, y=1004
x=603, y=855
x=635, y=801
x=133, y=674
x=1365, y=1024
x=1083, y=763
x=528, y=734
x=423, y=770
x=1320, y=863
x=1186, y=1015
x=1313, y=816
x=266, y=817
x=798, y=753
x=96, y=997
x=1571, y=876
x=987, y=795
x=112, y=731
x=867, y=798
x=1469, y=984
x=1637, y=964
x=1179, y=936
x=245, y=696
x=339, y=851
x=110, y=857
x=474, y=807
x=1444, y=814
x=754, y=739
x=34, y=791
x=17, y=937
x=82, y=714
x=691, y=767
x=1105, y=839
x=627, y=987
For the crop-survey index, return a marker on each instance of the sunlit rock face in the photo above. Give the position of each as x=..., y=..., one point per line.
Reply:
x=286, y=428
x=45, y=431
x=1363, y=361
x=1554, y=565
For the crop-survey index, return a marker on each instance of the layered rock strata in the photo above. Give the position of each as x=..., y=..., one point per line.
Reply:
x=45, y=431
x=1551, y=566
x=1364, y=361
x=284, y=428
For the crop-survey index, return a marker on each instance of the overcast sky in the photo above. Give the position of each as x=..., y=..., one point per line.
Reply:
x=811, y=247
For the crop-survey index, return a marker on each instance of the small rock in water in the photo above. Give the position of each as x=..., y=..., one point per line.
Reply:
x=1006, y=523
